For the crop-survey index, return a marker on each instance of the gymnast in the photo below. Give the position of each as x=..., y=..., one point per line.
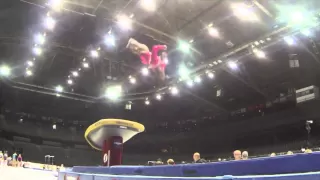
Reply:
x=154, y=62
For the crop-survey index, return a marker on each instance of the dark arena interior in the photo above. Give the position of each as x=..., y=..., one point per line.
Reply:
x=234, y=80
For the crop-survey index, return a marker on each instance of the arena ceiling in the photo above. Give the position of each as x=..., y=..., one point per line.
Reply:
x=249, y=39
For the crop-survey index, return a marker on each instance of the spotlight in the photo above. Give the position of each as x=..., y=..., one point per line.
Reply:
x=145, y=71
x=58, y=95
x=5, y=71
x=75, y=73
x=184, y=47
x=30, y=63
x=210, y=75
x=148, y=5
x=259, y=53
x=109, y=40
x=114, y=92
x=59, y=89
x=183, y=72
x=174, y=90
x=147, y=102
x=40, y=39
x=289, y=40
x=213, y=32
x=94, y=54
x=55, y=4
x=190, y=83
x=197, y=79
x=37, y=51
x=232, y=65
x=54, y=126
x=29, y=73
x=124, y=22
x=132, y=80
x=49, y=23
x=306, y=32
x=85, y=65
x=69, y=81
x=244, y=12
x=158, y=97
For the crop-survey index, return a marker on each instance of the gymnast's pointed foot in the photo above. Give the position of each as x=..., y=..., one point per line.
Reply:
x=129, y=42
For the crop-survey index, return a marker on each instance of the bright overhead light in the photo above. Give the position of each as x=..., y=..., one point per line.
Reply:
x=37, y=51
x=59, y=89
x=244, y=12
x=306, y=32
x=94, y=54
x=69, y=81
x=109, y=40
x=75, y=73
x=29, y=72
x=259, y=53
x=174, y=90
x=147, y=102
x=145, y=71
x=232, y=65
x=132, y=80
x=40, y=39
x=54, y=126
x=158, y=97
x=5, y=71
x=213, y=32
x=210, y=75
x=49, y=23
x=197, y=79
x=124, y=22
x=55, y=4
x=289, y=40
x=148, y=5
x=184, y=46
x=30, y=63
x=85, y=65
x=183, y=72
x=190, y=83
x=113, y=92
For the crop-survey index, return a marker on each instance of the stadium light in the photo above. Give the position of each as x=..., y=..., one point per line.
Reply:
x=174, y=90
x=49, y=23
x=145, y=71
x=40, y=39
x=148, y=5
x=5, y=71
x=37, y=51
x=59, y=89
x=232, y=65
x=94, y=54
x=158, y=97
x=113, y=92
x=124, y=22
x=29, y=72
x=213, y=32
x=55, y=4
x=109, y=40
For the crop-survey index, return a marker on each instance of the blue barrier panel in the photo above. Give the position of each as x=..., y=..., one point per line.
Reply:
x=299, y=163
x=302, y=176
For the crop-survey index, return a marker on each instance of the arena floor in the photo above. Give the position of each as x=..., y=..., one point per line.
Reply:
x=10, y=173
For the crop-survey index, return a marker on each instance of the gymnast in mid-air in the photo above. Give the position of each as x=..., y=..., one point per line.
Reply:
x=151, y=59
